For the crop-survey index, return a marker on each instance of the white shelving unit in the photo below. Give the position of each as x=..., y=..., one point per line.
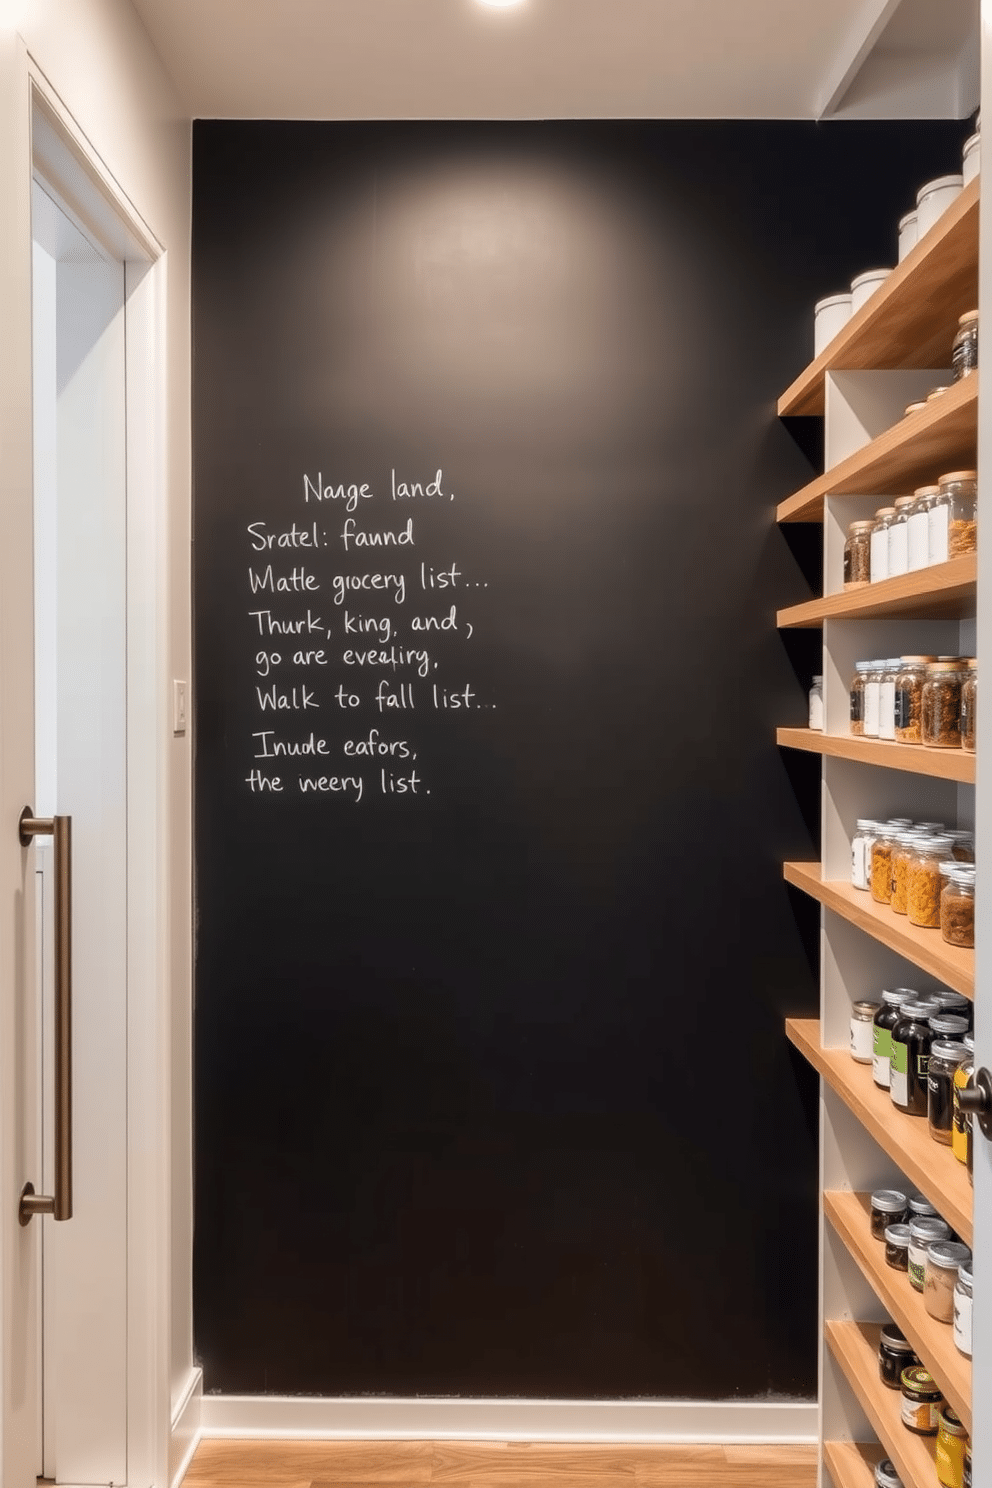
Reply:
x=896, y=349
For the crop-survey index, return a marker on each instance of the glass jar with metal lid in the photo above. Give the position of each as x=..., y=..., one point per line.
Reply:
x=904, y=850
x=883, y=1023
x=897, y=1246
x=918, y=526
x=963, y=1296
x=964, y=348
x=964, y=844
x=948, y=1001
x=881, y=864
x=884, y=518
x=945, y=1057
x=866, y=830
x=952, y=528
x=899, y=537
x=857, y=696
x=886, y=1475
x=887, y=697
x=941, y=1273
x=957, y=906
x=969, y=707
x=873, y=686
x=941, y=720
x=910, y=678
x=895, y=1353
x=888, y=1207
x=857, y=555
x=910, y=1058
x=862, y=1030
x=921, y=1401
x=920, y=1207
x=923, y=1233
x=952, y=1439
x=923, y=881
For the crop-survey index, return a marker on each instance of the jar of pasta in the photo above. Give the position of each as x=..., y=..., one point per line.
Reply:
x=964, y=844
x=909, y=698
x=952, y=527
x=969, y=706
x=957, y=906
x=857, y=555
x=905, y=847
x=881, y=865
x=941, y=720
x=923, y=888
x=918, y=526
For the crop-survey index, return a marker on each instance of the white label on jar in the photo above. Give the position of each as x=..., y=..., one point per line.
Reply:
x=887, y=710
x=859, y=875
x=862, y=1038
x=871, y=709
x=898, y=549
x=921, y=1416
x=918, y=541
x=879, y=556
x=917, y=1257
x=962, y=1321
x=899, y=1090
x=937, y=530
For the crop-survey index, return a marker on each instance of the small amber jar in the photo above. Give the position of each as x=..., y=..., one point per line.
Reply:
x=957, y=907
x=941, y=719
x=969, y=707
x=857, y=555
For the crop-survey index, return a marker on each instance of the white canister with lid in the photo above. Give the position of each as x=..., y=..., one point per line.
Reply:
x=907, y=234
x=830, y=316
x=933, y=200
x=918, y=528
x=865, y=285
x=971, y=160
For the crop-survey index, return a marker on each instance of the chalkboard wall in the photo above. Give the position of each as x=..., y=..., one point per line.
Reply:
x=492, y=1095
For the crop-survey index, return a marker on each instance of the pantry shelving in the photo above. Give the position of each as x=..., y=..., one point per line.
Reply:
x=931, y=1168
x=939, y=764
x=852, y=1464
x=855, y=1347
x=941, y=436
x=946, y=591
x=910, y=321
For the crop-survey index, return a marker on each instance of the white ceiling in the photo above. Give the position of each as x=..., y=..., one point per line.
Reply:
x=453, y=59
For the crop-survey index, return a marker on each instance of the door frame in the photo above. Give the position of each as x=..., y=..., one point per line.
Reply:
x=41, y=131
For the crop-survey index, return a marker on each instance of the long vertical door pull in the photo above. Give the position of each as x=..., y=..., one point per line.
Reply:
x=59, y=1204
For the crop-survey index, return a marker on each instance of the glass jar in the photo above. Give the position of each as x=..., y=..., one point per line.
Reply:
x=921, y=1401
x=873, y=684
x=862, y=1031
x=899, y=537
x=816, y=704
x=865, y=833
x=919, y=526
x=897, y=1246
x=910, y=678
x=885, y=1473
x=909, y=1064
x=941, y=722
x=952, y=1438
x=920, y=1207
x=952, y=529
x=969, y=707
x=964, y=845
x=895, y=1353
x=964, y=348
x=888, y=1207
x=957, y=907
x=884, y=518
x=857, y=694
x=949, y=1027
x=923, y=886
x=887, y=697
x=951, y=1002
x=881, y=864
x=923, y=1233
x=906, y=845
x=963, y=1296
x=943, y=1260
x=857, y=555
x=961, y=1130
x=883, y=1023
x=945, y=1057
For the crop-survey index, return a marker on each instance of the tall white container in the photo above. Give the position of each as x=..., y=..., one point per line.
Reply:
x=933, y=200
x=829, y=317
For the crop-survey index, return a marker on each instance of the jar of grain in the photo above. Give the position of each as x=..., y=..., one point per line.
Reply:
x=857, y=696
x=919, y=526
x=952, y=528
x=957, y=907
x=943, y=1260
x=964, y=845
x=899, y=537
x=969, y=707
x=923, y=888
x=904, y=850
x=884, y=518
x=941, y=720
x=964, y=349
x=909, y=698
x=857, y=555
x=881, y=865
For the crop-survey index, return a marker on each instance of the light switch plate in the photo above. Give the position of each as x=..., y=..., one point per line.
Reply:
x=178, y=707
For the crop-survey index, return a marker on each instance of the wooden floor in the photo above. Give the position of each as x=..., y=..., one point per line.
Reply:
x=242, y=1464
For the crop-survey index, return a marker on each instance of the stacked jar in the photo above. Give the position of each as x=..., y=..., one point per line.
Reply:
x=952, y=519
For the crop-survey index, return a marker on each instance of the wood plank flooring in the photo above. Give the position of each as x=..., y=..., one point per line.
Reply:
x=352, y=1464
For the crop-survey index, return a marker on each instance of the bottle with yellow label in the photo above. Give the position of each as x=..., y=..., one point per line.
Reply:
x=961, y=1127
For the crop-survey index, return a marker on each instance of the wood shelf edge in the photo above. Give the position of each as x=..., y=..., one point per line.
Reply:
x=944, y=586
x=852, y=1464
x=940, y=764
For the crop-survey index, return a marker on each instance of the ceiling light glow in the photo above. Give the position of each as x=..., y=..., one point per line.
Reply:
x=499, y=4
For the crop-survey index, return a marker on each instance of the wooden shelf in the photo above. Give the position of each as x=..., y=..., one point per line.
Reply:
x=925, y=948
x=940, y=764
x=848, y=1213
x=930, y=1167
x=946, y=591
x=855, y=1347
x=940, y=437
x=852, y=1464
x=910, y=321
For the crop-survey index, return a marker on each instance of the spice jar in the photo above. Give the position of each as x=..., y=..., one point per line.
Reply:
x=888, y=1207
x=923, y=881
x=882, y=1025
x=963, y=1296
x=923, y=1233
x=887, y=697
x=862, y=1031
x=942, y=704
x=905, y=847
x=940, y=1276
x=952, y=529
x=873, y=683
x=911, y=1040
x=952, y=1439
x=957, y=907
x=945, y=1056
x=881, y=864
x=816, y=703
x=919, y=526
x=886, y=1475
x=949, y=1026
x=921, y=1208
x=899, y=537
x=865, y=833
x=897, y=1246
x=895, y=1353
x=857, y=555
x=909, y=698
x=921, y=1401
x=969, y=707
x=880, y=543
x=964, y=348
x=961, y=1136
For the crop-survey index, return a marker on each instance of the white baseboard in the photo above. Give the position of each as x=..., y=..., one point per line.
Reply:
x=784, y=1422
x=185, y=1431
